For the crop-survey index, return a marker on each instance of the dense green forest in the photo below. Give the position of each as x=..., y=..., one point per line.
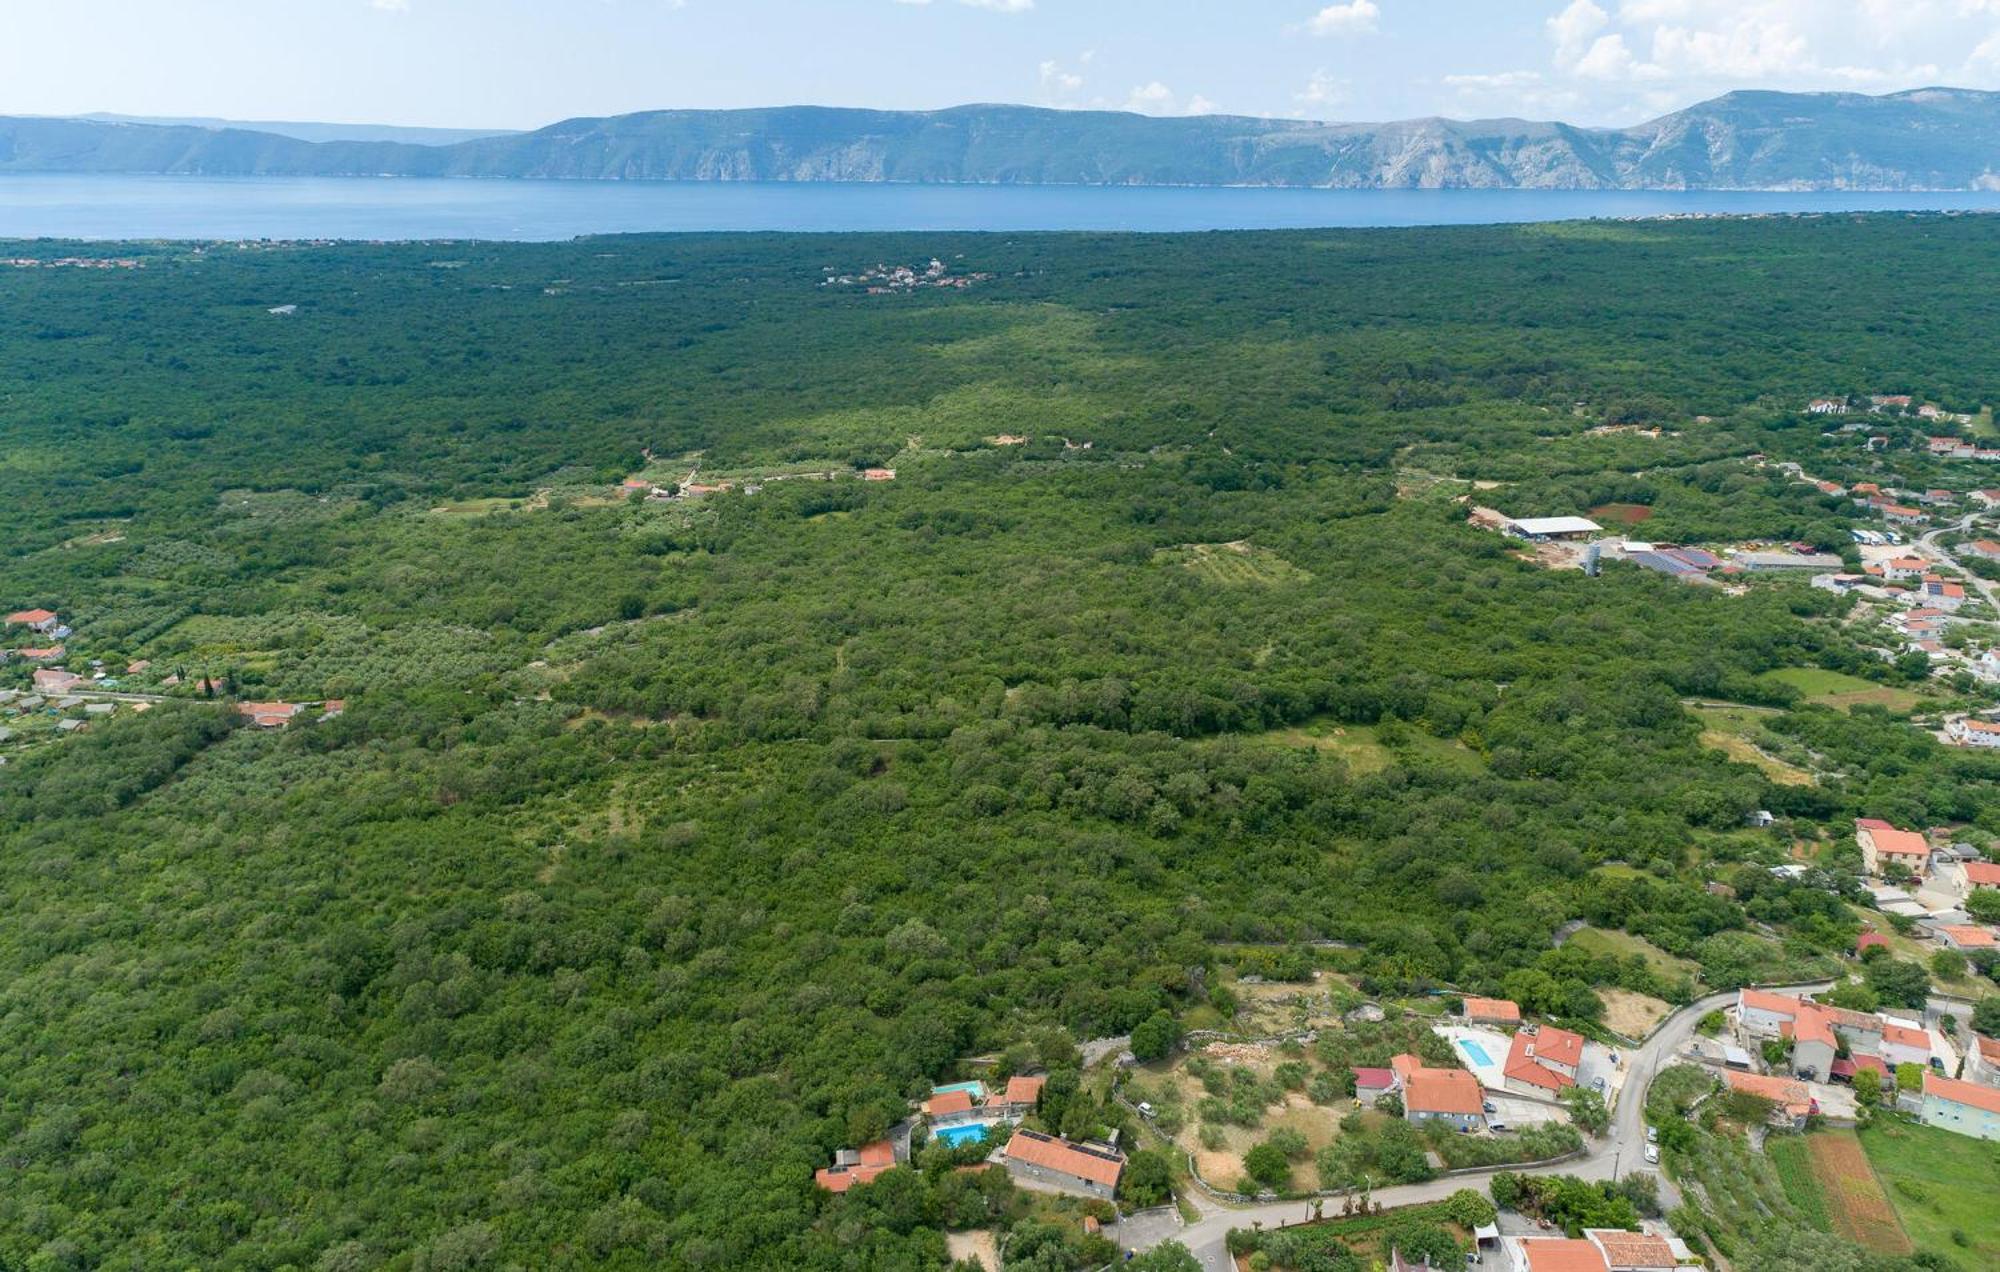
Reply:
x=666, y=846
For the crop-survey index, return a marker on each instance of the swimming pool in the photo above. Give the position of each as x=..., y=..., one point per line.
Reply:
x=1475, y=1052
x=977, y=1090
x=956, y=1136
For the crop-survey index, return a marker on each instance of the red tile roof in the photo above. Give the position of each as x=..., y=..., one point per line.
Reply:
x=875, y=1158
x=1868, y=941
x=1969, y=1094
x=1559, y=1046
x=1632, y=1249
x=1452, y=1091
x=30, y=616
x=1099, y=1166
x=1811, y=1025
x=1968, y=935
x=1791, y=1096
x=947, y=1102
x=1984, y=874
x=1560, y=1254
x=1524, y=1066
x=1492, y=1009
x=1763, y=1000
x=1023, y=1090
x=1374, y=1079
x=1895, y=843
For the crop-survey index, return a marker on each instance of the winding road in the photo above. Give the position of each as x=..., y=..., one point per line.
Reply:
x=1609, y=1157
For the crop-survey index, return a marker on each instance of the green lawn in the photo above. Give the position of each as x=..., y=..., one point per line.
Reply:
x=1624, y=944
x=1942, y=1186
x=1840, y=690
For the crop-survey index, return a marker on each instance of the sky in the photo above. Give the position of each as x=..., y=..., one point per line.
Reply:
x=525, y=63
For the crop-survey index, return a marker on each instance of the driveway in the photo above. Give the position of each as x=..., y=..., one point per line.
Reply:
x=1608, y=1158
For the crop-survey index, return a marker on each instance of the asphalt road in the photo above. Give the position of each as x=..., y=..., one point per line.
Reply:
x=1615, y=1155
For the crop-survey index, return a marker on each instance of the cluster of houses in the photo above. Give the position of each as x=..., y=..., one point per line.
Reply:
x=1886, y=404
x=276, y=715
x=885, y=280
x=965, y=1112
x=71, y=262
x=1833, y=1043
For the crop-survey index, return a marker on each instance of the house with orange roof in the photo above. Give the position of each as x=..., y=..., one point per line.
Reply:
x=1791, y=1102
x=1763, y=1014
x=1963, y=878
x=1964, y=1107
x=1966, y=936
x=1633, y=1251
x=1443, y=1095
x=1967, y=731
x=948, y=1108
x=1904, y=1044
x=1554, y=1254
x=1986, y=548
x=1982, y=1062
x=1018, y=1099
x=1814, y=1047
x=39, y=620
x=1090, y=1170
x=55, y=680
x=1882, y=843
x=853, y=1166
x=1492, y=1011
x=269, y=715
x=1526, y=1073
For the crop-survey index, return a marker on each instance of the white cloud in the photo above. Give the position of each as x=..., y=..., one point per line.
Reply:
x=1000, y=6
x=1574, y=30
x=1156, y=98
x=1355, y=17
x=1058, y=83
x=1324, y=89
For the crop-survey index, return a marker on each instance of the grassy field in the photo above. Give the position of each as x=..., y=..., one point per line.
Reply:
x=1624, y=944
x=1364, y=752
x=1941, y=1185
x=1236, y=564
x=1842, y=691
x=1738, y=732
x=1792, y=1159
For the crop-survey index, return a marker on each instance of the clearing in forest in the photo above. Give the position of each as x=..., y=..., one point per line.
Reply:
x=1737, y=732
x=1623, y=514
x=1234, y=564
x=1841, y=691
x=1856, y=1205
x=1624, y=945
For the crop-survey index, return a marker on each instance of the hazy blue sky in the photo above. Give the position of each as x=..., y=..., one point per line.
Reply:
x=522, y=63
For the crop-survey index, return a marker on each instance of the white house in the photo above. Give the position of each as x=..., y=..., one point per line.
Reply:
x=1963, y=878
x=1970, y=732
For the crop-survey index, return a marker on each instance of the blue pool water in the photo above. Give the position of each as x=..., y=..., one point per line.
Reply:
x=957, y=1135
x=1475, y=1052
x=977, y=1090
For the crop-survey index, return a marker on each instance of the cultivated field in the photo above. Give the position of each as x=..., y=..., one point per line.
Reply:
x=1855, y=1201
x=1235, y=564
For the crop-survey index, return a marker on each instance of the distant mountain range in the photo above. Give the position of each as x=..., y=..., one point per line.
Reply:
x=317, y=132
x=1929, y=139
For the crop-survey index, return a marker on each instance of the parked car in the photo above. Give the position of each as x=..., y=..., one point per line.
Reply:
x=1499, y=1128
x=1489, y=1107
x=1652, y=1135
x=1653, y=1154
x=1145, y=1109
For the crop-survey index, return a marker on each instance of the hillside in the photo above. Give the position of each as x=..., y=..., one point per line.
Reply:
x=661, y=845
x=1930, y=139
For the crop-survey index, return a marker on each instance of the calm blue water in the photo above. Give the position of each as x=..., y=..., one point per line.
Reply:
x=957, y=1135
x=1474, y=1050
x=977, y=1090
x=33, y=206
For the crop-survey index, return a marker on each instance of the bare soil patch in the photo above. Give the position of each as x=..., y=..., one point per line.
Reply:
x=1860, y=1210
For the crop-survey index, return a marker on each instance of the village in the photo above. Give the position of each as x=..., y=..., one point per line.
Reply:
x=57, y=701
x=889, y=280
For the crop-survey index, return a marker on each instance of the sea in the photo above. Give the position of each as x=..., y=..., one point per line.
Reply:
x=380, y=208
